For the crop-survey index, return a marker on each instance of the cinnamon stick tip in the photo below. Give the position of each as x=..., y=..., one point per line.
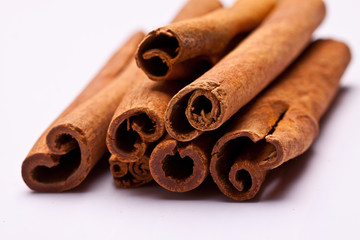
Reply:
x=136, y=173
x=156, y=53
x=117, y=168
x=129, y=133
x=50, y=173
x=192, y=109
x=204, y=110
x=243, y=181
x=63, y=138
x=177, y=168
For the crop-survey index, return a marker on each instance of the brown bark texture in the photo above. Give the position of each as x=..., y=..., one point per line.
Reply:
x=212, y=99
x=179, y=49
x=281, y=123
x=139, y=119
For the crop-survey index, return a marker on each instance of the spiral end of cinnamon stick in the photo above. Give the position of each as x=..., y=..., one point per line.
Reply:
x=176, y=122
x=118, y=168
x=193, y=110
x=247, y=179
x=129, y=134
x=60, y=165
x=157, y=52
x=203, y=111
x=178, y=167
x=240, y=180
x=130, y=175
x=235, y=164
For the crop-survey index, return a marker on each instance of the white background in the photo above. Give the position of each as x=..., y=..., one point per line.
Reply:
x=49, y=50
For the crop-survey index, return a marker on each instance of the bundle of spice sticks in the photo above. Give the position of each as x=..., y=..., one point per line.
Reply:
x=231, y=92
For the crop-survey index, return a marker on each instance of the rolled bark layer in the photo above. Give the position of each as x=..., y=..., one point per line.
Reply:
x=179, y=49
x=66, y=152
x=130, y=175
x=279, y=124
x=139, y=118
x=179, y=166
x=213, y=98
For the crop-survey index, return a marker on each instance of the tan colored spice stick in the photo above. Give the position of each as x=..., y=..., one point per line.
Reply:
x=35, y=168
x=213, y=98
x=179, y=166
x=139, y=119
x=279, y=124
x=69, y=149
x=177, y=50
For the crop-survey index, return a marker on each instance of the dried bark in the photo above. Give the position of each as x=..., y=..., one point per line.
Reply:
x=209, y=101
x=178, y=50
x=279, y=124
x=179, y=166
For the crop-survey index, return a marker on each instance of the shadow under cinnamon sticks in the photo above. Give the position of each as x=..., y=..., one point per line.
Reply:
x=207, y=191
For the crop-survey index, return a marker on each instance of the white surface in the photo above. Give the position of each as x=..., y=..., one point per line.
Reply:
x=47, y=46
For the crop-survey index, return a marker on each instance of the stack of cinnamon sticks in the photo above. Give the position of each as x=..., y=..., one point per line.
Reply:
x=231, y=92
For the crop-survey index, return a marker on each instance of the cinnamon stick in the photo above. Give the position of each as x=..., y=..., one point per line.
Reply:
x=130, y=174
x=281, y=123
x=182, y=166
x=68, y=149
x=213, y=98
x=177, y=50
x=139, y=118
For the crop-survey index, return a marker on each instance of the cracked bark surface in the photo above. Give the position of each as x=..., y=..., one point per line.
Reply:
x=279, y=124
